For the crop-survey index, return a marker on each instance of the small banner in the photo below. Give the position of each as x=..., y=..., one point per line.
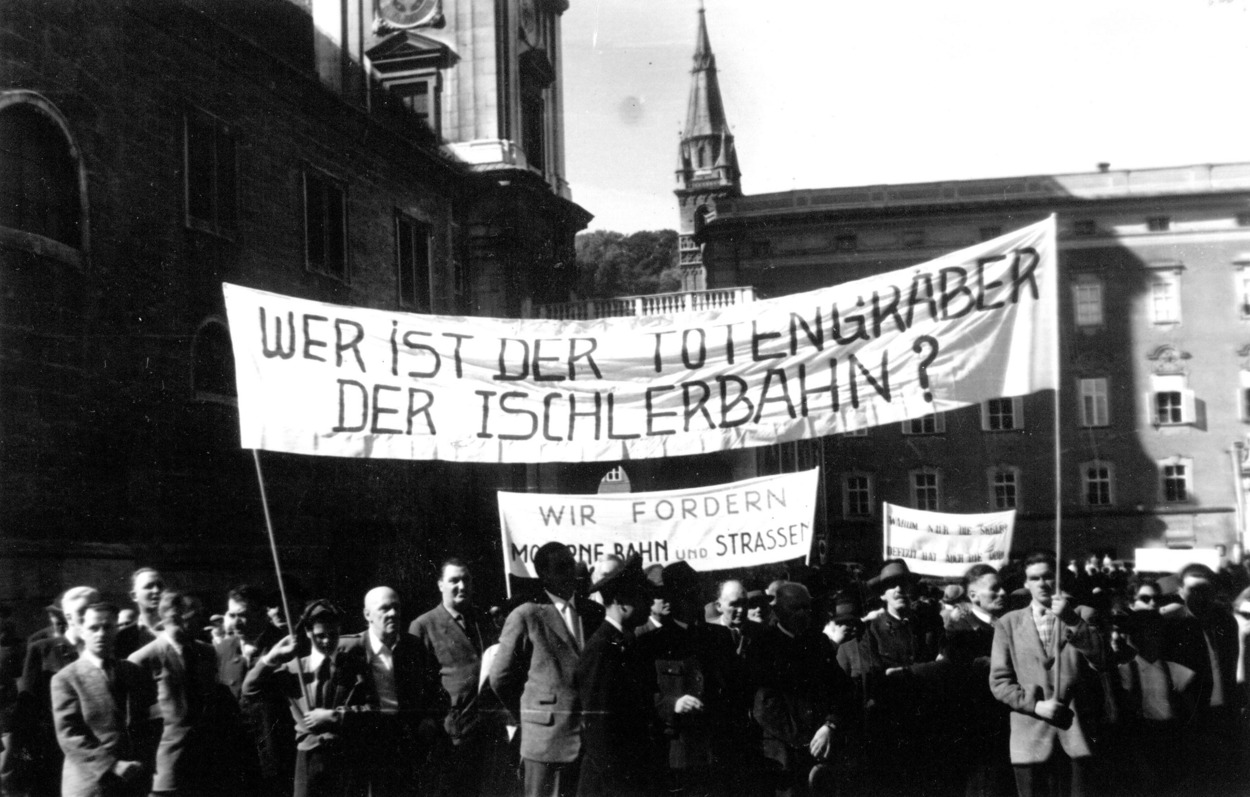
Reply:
x=752, y=522
x=329, y=380
x=943, y=544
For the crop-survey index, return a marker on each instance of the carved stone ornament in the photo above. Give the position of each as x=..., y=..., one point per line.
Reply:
x=396, y=15
x=1169, y=360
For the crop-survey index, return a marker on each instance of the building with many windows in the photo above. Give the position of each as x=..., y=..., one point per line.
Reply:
x=397, y=156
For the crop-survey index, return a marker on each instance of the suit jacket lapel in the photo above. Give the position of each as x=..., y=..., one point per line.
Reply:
x=555, y=619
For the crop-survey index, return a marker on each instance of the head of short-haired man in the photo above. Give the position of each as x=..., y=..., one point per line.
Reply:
x=382, y=610
x=731, y=602
x=1198, y=589
x=792, y=605
x=322, y=623
x=1039, y=578
x=557, y=570
x=985, y=589
x=245, y=613
x=455, y=584
x=73, y=603
x=98, y=630
x=146, y=586
x=177, y=611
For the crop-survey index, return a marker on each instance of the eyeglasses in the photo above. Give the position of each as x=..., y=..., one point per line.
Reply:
x=1147, y=598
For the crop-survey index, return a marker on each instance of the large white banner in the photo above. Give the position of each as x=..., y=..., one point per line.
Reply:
x=751, y=522
x=324, y=379
x=943, y=544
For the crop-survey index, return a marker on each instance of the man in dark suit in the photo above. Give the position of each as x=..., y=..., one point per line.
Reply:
x=534, y=673
x=613, y=689
x=393, y=728
x=986, y=602
x=1050, y=724
x=454, y=634
x=45, y=659
x=187, y=700
x=265, y=751
x=805, y=704
x=699, y=685
x=100, y=705
x=318, y=688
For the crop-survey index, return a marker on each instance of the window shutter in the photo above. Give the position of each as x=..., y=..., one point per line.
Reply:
x=1189, y=413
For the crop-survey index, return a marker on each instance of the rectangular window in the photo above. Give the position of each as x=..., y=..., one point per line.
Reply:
x=211, y=170
x=1096, y=483
x=1095, y=409
x=925, y=490
x=1004, y=488
x=933, y=423
x=412, y=263
x=1171, y=402
x=325, y=226
x=1002, y=414
x=1087, y=300
x=1165, y=298
x=1175, y=476
x=857, y=495
x=1159, y=223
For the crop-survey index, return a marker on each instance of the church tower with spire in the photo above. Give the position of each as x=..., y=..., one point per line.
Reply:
x=707, y=164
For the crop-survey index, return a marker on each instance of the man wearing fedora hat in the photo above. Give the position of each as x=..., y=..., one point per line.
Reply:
x=616, y=706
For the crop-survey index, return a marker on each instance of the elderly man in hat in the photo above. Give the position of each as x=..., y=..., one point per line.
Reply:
x=696, y=678
x=804, y=704
x=534, y=673
x=612, y=680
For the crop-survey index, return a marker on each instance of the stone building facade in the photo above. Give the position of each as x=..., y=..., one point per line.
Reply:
x=150, y=151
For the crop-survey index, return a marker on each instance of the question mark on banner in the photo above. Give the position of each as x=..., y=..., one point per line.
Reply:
x=923, y=370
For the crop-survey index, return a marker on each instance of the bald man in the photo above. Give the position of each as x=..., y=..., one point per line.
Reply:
x=403, y=697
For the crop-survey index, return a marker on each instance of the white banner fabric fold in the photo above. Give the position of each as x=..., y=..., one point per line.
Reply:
x=323, y=379
x=944, y=544
x=742, y=524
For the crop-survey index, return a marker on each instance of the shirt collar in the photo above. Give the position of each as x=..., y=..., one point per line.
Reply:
x=1039, y=611
x=455, y=615
x=560, y=603
x=376, y=645
x=607, y=618
x=985, y=616
x=87, y=655
x=314, y=660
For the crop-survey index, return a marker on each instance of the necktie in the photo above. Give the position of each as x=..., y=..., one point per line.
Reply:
x=575, y=628
x=323, y=681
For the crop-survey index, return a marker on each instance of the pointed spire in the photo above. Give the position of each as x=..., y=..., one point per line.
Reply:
x=705, y=112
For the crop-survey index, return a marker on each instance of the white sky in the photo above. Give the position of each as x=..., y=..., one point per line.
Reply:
x=834, y=93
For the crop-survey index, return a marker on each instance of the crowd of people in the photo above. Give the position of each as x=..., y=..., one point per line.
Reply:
x=653, y=681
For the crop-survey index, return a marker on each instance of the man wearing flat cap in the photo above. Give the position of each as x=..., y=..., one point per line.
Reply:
x=535, y=669
x=616, y=707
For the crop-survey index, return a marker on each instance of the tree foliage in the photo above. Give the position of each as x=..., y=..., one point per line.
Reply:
x=614, y=264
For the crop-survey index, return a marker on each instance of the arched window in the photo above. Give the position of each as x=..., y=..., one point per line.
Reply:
x=39, y=185
x=212, y=374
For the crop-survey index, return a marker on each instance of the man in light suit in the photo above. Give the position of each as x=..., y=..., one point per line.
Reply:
x=1050, y=728
x=185, y=672
x=100, y=705
x=454, y=634
x=393, y=728
x=534, y=673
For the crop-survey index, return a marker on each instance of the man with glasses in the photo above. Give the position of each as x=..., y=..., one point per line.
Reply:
x=1146, y=597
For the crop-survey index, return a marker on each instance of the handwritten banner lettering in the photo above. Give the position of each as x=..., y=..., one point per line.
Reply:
x=746, y=523
x=323, y=379
x=943, y=544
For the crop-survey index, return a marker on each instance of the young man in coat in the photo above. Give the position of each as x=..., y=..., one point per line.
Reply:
x=535, y=668
x=100, y=705
x=454, y=635
x=1050, y=727
x=613, y=686
x=318, y=688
